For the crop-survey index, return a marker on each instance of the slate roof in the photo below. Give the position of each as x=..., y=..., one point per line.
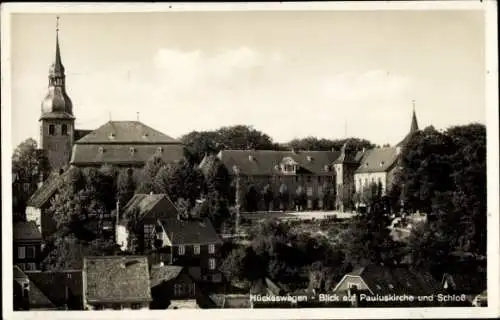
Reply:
x=26, y=231
x=116, y=279
x=378, y=160
x=133, y=132
x=123, y=154
x=263, y=162
x=164, y=273
x=58, y=286
x=152, y=204
x=181, y=232
x=43, y=194
x=80, y=133
x=397, y=280
x=37, y=299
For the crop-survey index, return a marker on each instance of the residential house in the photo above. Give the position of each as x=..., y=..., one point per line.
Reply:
x=116, y=283
x=380, y=282
x=172, y=288
x=54, y=290
x=27, y=245
x=190, y=243
x=466, y=277
x=147, y=208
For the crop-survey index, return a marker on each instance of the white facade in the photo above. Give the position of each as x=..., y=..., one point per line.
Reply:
x=34, y=214
x=122, y=237
x=364, y=180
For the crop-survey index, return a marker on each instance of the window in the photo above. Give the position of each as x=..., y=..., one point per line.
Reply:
x=211, y=263
x=22, y=266
x=297, y=179
x=52, y=129
x=148, y=232
x=30, y=252
x=211, y=248
x=135, y=306
x=181, y=250
x=309, y=204
x=21, y=252
x=160, y=149
x=319, y=179
x=101, y=150
x=196, y=249
x=132, y=149
x=309, y=178
x=26, y=187
x=64, y=130
x=30, y=266
x=320, y=189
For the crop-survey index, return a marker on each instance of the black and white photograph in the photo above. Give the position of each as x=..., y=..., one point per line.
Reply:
x=286, y=161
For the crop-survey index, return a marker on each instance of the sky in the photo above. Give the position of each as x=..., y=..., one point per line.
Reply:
x=328, y=74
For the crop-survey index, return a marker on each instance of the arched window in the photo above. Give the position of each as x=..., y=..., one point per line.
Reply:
x=64, y=130
x=52, y=129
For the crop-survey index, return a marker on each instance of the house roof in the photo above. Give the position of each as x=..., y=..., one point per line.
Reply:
x=43, y=194
x=378, y=160
x=58, y=285
x=134, y=132
x=190, y=231
x=80, y=133
x=149, y=204
x=116, y=279
x=37, y=299
x=264, y=162
x=395, y=280
x=26, y=231
x=123, y=154
x=164, y=273
x=235, y=301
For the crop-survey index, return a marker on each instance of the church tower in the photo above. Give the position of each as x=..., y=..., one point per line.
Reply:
x=57, y=123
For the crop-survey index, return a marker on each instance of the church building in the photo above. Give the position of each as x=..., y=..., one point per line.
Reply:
x=123, y=144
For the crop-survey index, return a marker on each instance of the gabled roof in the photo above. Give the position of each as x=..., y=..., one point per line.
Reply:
x=26, y=231
x=396, y=280
x=80, y=133
x=182, y=232
x=164, y=273
x=58, y=286
x=150, y=205
x=123, y=154
x=134, y=132
x=378, y=160
x=264, y=162
x=43, y=194
x=116, y=279
x=37, y=299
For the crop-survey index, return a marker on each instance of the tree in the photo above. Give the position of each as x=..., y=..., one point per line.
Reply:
x=180, y=180
x=28, y=166
x=149, y=174
x=125, y=186
x=300, y=198
x=252, y=199
x=198, y=144
x=426, y=168
x=284, y=196
x=315, y=144
x=368, y=239
x=268, y=196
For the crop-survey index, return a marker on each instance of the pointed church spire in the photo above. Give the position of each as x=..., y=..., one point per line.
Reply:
x=57, y=68
x=414, y=123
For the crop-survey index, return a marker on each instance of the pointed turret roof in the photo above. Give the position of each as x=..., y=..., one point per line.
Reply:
x=57, y=104
x=413, y=128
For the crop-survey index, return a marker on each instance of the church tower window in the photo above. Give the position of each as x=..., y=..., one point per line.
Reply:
x=52, y=130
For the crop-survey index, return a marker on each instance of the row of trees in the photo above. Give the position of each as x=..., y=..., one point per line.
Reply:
x=241, y=137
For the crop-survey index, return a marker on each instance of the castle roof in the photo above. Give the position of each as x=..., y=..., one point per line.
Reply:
x=378, y=160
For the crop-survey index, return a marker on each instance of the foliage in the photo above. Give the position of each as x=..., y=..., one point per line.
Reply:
x=300, y=198
x=28, y=164
x=367, y=238
x=149, y=173
x=284, y=196
x=180, y=180
x=267, y=196
x=252, y=199
x=125, y=186
x=315, y=144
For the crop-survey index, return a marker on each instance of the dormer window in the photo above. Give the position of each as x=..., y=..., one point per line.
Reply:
x=101, y=150
x=250, y=157
x=276, y=167
x=382, y=163
x=145, y=136
x=309, y=158
x=111, y=136
x=159, y=149
x=132, y=150
x=326, y=168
